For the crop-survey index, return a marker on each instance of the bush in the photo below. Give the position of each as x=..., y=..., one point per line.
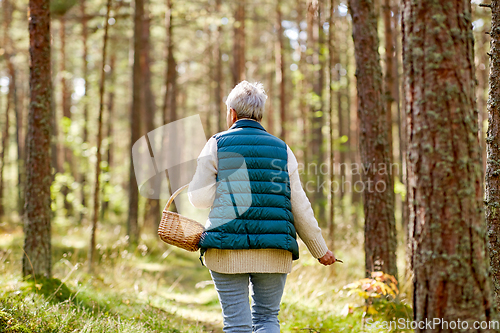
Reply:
x=377, y=298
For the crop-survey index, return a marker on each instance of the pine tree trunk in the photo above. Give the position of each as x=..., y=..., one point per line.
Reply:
x=352, y=145
x=280, y=70
x=65, y=106
x=152, y=209
x=389, y=78
x=37, y=242
x=5, y=145
x=7, y=18
x=445, y=189
x=270, y=103
x=170, y=97
x=239, y=43
x=135, y=119
x=109, y=131
x=492, y=199
x=343, y=128
x=378, y=195
x=85, y=77
x=331, y=69
x=20, y=146
x=95, y=213
x=219, y=106
x=169, y=100
x=315, y=38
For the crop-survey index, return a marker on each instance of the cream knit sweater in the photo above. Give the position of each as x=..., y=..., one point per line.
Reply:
x=201, y=194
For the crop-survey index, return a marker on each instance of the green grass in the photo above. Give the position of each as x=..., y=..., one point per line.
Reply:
x=157, y=288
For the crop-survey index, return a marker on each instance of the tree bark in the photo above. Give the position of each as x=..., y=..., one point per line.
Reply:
x=492, y=199
x=11, y=97
x=95, y=214
x=135, y=119
x=270, y=103
x=315, y=39
x=109, y=132
x=37, y=242
x=85, y=75
x=219, y=106
x=331, y=93
x=343, y=115
x=378, y=195
x=280, y=70
x=152, y=209
x=65, y=106
x=239, y=43
x=169, y=99
x=300, y=88
x=20, y=139
x=389, y=75
x=446, y=226
x=5, y=145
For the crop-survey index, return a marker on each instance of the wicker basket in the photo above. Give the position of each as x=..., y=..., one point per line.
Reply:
x=179, y=230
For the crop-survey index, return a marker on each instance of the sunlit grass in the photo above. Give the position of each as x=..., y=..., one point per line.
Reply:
x=156, y=288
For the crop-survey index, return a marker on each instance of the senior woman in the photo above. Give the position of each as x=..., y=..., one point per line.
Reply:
x=250, y=180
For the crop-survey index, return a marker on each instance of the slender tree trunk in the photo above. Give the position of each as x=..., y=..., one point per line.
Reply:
x=7, y=18
x=378, y=195
x=315, y=42
x=169, y=99
x=37, y=242
x=354, y=137
x=219, y=106
x=300, y=88
x=109, y=131
x=343, y=124
x=20, y=146
x=239, y=43
x=389, y=75
x=9, y=48
x=152, y=209
x=446, y=226
x=85, y=72
x=5, y=146
x=95, y=214
x=331, y=78
x=65, y=106
x=136, y=117
x=270, y=103
x=208, y=62
x=492, y=199
x=280, y=70
x=402, y=137
x=54, y=120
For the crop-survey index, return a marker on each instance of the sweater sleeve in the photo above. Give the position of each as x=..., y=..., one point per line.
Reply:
x=201, y=191
x=303, y=215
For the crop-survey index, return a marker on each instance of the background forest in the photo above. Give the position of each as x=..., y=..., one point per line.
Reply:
x=121, y=68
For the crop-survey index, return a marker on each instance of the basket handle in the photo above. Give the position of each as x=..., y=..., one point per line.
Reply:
x=174, y=195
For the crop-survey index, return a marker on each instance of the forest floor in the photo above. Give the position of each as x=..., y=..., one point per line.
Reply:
x=157, y=288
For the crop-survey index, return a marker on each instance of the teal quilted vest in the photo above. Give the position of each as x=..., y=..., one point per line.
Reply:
x=252, y=208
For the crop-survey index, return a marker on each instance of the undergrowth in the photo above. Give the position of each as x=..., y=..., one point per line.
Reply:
x=156, y=288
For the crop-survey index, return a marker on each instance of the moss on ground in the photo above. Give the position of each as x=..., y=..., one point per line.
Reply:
x=53, y=289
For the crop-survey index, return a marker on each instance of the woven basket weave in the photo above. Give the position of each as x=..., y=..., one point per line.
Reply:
x=179, y=230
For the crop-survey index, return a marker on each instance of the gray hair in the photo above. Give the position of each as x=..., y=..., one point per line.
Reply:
x=248, y=100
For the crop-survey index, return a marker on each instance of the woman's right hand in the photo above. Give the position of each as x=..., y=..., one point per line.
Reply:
x=327, y=259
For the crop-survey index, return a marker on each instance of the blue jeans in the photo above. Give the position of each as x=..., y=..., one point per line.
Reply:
x=233, y=292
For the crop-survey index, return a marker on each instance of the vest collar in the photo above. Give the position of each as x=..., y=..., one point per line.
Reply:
x=244, y=123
